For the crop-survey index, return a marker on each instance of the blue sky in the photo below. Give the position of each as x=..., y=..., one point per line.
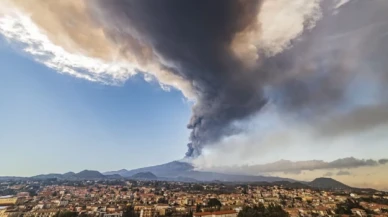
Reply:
x=56, y=123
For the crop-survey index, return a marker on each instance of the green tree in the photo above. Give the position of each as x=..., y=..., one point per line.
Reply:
x=129, y=211
x=124, y=189
x=198, y=208
x=214, y=203
x=67, y=214
x=261, y=211
x=162, y=200
x=32, y=193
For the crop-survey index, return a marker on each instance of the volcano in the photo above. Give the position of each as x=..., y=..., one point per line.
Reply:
x=180, y=169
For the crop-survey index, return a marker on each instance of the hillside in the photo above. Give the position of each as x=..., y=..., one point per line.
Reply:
x=48, y=176
x=69, y=175
x=89, y=174
x=113, y=176
x=119, y=172
x=144, y=175
x=329, y=184
x=185, y=171
x=164, y=170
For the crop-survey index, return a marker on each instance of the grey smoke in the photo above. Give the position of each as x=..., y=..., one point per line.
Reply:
x=313, y=77
x=295, y=167
x=198, y=48
x=383, y=161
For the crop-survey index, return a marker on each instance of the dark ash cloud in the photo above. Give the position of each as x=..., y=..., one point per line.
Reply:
x=195, y=40
x=195, y=37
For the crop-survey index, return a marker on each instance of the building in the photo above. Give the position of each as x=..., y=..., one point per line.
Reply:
x=146, y=211
x=113, y=215
x=358, y=212
x=11, y=214
x=226, y=213
x=162, y=209
x=8, y=201
x=42, y=213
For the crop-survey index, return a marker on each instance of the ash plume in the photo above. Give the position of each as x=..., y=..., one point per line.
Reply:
x=296, y=167
x=324, y=61
x=206, y=43
x=193, y=38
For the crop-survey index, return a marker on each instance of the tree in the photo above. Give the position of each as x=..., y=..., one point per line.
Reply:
x=124, y=189
x=214, y=203
x=245, y=189
x=129, y=212
x=261, y=211
x=32, y=193
x=162, y=200
x=198, y=208
x=67, y=214
x=197, y=187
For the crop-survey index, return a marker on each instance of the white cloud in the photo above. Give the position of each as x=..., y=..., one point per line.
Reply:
x=284, y=20
x=341, y=3
x=64, y=49
x=18, y=27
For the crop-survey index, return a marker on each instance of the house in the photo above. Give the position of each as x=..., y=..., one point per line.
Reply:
x=42, y=213
x=11, y=214
x=293, y=212
x=8, y=201
x=113, y=215
x=162, y=209
x=358, y=212
x=148, y=212
x=226, y=213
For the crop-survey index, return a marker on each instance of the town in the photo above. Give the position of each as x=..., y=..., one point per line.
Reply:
x=146, y=198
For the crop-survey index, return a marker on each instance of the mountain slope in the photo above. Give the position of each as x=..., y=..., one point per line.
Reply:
x=119, y=172
x=48, y=176
x=69, y=175
x=89, y=174
x=329, y=183
x=171, y=169
x=176, y=169
x=144, y=175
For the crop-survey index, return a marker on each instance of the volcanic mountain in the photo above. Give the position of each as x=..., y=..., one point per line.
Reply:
x=179, y=169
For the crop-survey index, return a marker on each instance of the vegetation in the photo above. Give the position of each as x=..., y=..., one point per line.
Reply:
x=214, y=203
x=66, y=214
x=346, y=208
x=375, y=200
x=162, y=200
x=262, y=211
x=129, y=212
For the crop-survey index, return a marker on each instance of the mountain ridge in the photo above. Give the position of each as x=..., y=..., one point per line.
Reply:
x=144, y=175
x=186, y=170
